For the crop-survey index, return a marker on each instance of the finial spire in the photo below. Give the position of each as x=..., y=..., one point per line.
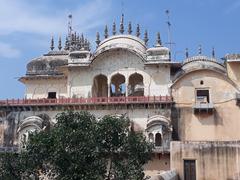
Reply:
x=213, y=52
x=85, y=46
x=158, y=41
x=122, y=24
x=59, y=43
x=114, y=32
x=52, y=43
x=200, y=50
x=138, y=31
x=186, y=53
x=66, y=44
x=98, y=39
x=106, y=32
x=130, y=28
x=146, y=37
x=69, y=25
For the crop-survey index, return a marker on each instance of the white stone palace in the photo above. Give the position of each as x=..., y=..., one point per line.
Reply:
x=189, y=109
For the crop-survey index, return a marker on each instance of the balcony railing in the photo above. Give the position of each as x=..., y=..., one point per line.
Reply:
x=89, y=101
x=161, y=149
x=203, y=107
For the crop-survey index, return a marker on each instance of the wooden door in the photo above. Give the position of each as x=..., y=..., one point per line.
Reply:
x=189, y=170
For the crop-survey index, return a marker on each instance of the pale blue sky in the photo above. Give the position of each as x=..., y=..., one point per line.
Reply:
x=27, y=25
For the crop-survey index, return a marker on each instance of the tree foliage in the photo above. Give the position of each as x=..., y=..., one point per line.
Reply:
x=80, y=147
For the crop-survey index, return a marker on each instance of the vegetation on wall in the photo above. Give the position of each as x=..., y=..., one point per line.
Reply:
x=80, y=147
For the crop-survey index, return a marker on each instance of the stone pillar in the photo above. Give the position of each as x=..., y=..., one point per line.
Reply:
x=126, y=83
x=109, y=90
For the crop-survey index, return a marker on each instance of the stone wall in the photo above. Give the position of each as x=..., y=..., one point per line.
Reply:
x=220, y=124
x=219, y=160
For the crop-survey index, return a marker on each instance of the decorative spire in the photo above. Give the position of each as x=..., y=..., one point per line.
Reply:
x=138, y=31
x=146, y=37
x=114, y=32
x=75, y=36
x=186, y=53
x=158, y=41
x=66, y=44
x=106, y=32
x=82, y=37
x=82, y=41
x=97, y=39
x=86, y=44
x=122, y=25
x=129, y=28
x=213, y=52
x=52, y=43
x=200, y=50
x=59, y=43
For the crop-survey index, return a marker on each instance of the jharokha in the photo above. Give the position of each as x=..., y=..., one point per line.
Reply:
x=188, y=109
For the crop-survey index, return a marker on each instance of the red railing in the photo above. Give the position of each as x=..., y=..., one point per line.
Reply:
x=93, y=100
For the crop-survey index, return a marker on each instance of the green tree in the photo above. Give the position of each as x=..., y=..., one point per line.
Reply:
x=80, y=147
x=125, y=150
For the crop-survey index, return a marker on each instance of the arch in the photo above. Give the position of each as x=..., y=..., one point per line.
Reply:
x=135, y=86
x=158, y=120
x=33, y=121
x=158, y=139
x=29, y=125
x=100, y=86
x=127, y=42
x=118, y=85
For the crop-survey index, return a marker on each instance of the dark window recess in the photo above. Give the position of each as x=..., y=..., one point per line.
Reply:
x=158, y=139
x=189, y=170
x=52, y=95
x=202, y=96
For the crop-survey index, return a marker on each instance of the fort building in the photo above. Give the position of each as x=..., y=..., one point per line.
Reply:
x=188, y=109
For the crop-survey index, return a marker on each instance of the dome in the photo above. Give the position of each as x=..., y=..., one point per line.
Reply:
x=158, y=50
x=129, y=42
x=202, y=62
x=46, y=65
x=199, y=63
x=158, y=53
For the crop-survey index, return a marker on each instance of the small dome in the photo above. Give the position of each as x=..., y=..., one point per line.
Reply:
x=46, y=65
x=158, y=50
x=202, y=62
x=158, y=53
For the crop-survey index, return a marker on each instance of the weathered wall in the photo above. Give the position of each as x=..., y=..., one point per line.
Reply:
x=233, y=70
x=156, y=79
x=10, y=123
x=39, y=88
x=158, y=164
x=222, y=124
x=214, y=160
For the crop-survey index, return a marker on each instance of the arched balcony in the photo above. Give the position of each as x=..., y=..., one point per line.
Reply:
x=100, y=86
x=117, y=86
x=136, y=86
x=159, y=132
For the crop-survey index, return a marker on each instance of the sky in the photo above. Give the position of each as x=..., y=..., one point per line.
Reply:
x=26, y=27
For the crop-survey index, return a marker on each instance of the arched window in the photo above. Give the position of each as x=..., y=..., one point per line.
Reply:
x=136, y=86
x=100, y=87
x=150, y=137
x=158, y=139
x=118, y=86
